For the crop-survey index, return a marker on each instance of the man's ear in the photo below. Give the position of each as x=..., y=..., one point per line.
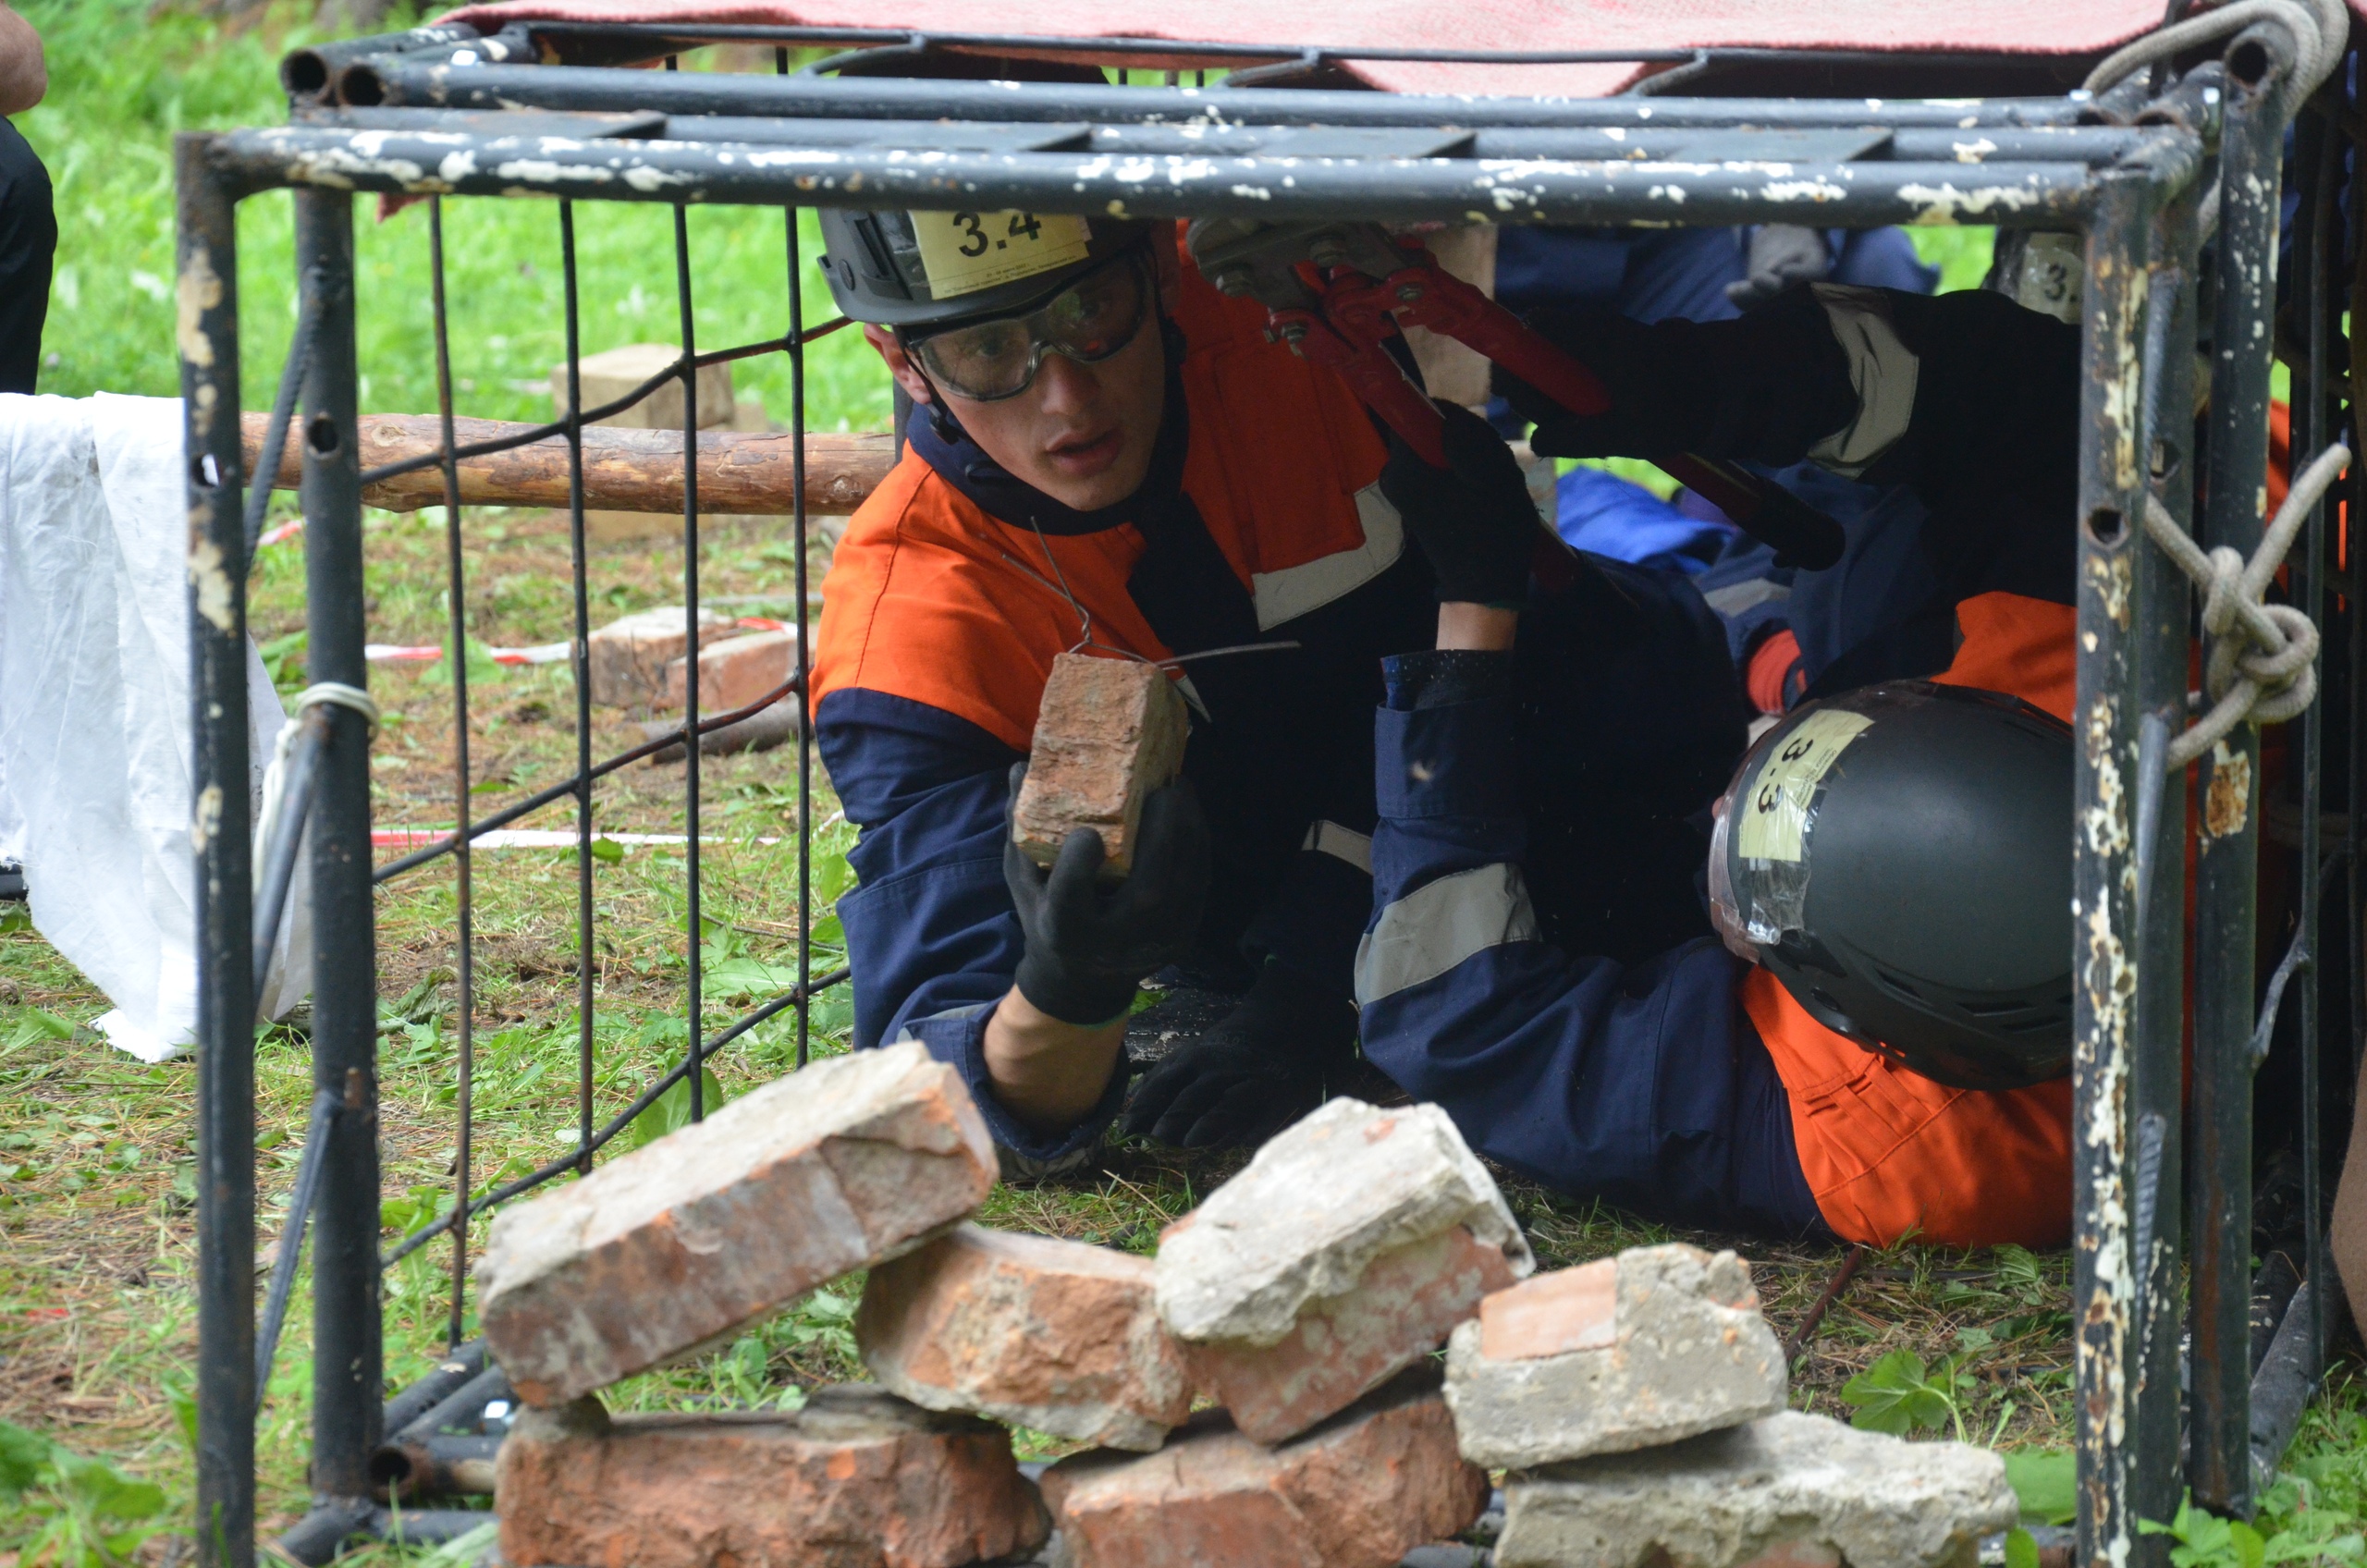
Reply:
x=900, y=365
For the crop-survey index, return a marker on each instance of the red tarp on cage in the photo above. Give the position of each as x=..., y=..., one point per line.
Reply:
x=2012, y=27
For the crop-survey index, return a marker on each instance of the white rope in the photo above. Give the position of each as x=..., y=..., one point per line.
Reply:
x=2320, y=31
x=275, y=780
x=2263, y=663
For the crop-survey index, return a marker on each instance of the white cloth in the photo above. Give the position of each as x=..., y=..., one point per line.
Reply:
x=96, y=709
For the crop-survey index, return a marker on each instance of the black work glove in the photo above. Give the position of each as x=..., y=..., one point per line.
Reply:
x=1473, y=518
x=1259, y=1069
x=1090, y=944
x=1643, y=370
x=1782, y=257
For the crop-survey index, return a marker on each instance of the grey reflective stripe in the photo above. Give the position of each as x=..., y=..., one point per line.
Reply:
x=1440, y=924
x=1736, y=597
x=1340, y=843
x=1882, y=368
x=1290, y=593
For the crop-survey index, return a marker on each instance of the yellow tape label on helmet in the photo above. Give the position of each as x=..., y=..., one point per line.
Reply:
x=963, y=252
x=1775, y=812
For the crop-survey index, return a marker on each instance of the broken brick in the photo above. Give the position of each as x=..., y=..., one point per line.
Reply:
x=846, y=1164
x=1054, y=1335
x=1403, y=1307
x=857, y=1478
x=629, y=657
x=736, y=671
x=1359, y=1491
x=1655, y=1345
x=1788, y=1490
x=1350, y=1246
x=1108, y=733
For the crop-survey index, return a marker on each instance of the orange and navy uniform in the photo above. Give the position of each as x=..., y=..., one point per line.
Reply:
x=956, y=585
x=1681, y=1083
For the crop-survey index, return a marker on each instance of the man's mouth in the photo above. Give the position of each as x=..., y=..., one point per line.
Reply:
x=1083, y=457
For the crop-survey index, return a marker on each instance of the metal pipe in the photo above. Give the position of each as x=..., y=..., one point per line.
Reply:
x=279, y=854
x=2037, y=194
x=309, y=73
x=348, y=1353
x=317, y=1131
x=208, y=271
x=275, y=440
x=704, y=92
x=317, y=1537
x=2287, y=1377
x=432, y=1390
x=2157, y=642
x=463, y=1410
x=2226, y=853
x=436, y=1466
x=693, y=931
x=2106, y=1304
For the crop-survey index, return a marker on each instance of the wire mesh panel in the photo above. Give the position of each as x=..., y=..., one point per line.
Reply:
x=2131, y=183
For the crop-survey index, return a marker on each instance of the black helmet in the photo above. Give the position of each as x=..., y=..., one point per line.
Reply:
x=1900, y=858
x=940, y=268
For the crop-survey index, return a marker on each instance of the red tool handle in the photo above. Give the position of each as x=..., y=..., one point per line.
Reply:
x=1371, y=374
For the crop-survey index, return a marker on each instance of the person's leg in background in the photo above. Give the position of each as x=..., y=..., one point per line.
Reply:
x=28, y=240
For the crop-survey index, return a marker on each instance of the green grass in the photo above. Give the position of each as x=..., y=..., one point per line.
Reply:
x=96, y=1151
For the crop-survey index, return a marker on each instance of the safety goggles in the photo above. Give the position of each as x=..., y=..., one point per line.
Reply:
x=1088, y=322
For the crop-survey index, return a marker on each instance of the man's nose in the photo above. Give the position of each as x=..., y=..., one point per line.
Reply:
x=1065, y=386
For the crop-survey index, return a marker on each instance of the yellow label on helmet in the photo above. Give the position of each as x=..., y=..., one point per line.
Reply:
x=963, y=252
x=1775, y=811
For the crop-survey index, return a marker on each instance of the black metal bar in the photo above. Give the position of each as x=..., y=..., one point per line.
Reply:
x=581, y=658
x=207, y=266
x=348, y=1349
x=591, y=416
x=2031, y=194
x=2226, y=853
x=2107, y=1294
x=804, y=630
x=279, y=856
x=692, y=644
x=460, y=1410
x=457, y=665
x=699, y=92
x=2289, y=1376
x=319, y=1536
x=308, y=73
x=449, y=1374
x=274, y=439
x=617, y=1123
x=566, y=787
x=2157, y=644
x=439, y=1466
x=318, y=1130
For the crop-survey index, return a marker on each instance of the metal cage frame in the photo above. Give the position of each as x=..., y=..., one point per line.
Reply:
x=409, y=115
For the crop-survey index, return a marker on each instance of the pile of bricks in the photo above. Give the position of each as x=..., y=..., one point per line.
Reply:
x=1264, y=1392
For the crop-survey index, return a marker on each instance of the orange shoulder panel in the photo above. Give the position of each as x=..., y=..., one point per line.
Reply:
x=1889, y=1154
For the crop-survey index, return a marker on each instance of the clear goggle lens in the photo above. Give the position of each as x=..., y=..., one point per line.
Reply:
x=1088, y=322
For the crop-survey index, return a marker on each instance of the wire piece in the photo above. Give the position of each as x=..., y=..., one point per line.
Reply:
x=2263, y=664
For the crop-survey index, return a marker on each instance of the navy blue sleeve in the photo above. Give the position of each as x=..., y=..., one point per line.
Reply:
x=931, y=935
x=1644, y=1084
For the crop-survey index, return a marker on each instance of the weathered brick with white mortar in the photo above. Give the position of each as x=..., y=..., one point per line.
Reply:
x=1054, y=1335
x=629, y=656
x=1804, y=1489
x=1657, y=1345
x=858, y=1478
x=1275, y=1260
x=1403, y=1306
x=1357, y=1492
x=736, y=671
x=1108, y=732
x=847, y=1163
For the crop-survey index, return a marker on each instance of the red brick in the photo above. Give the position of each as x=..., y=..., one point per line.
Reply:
x=856, y=1480
x=736, y=671
x=1403, y=1307
x=1054, y=1335
x=1552, y=1313
x=1108, y=732
x=851, y=1162
x=628, y=658
x=1358, y=1492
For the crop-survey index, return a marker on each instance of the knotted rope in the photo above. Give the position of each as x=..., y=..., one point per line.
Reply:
x=2262, y=661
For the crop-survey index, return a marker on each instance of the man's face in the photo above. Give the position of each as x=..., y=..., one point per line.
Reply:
x=1082, y=434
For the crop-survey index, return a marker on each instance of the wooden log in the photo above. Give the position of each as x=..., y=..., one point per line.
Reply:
x=628, y=470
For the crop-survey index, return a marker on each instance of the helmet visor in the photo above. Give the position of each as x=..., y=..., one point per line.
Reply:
x=1088, y=322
